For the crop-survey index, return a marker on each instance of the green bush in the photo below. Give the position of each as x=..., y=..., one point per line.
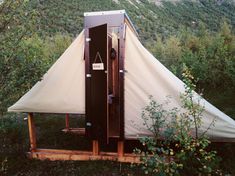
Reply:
x=175, y=148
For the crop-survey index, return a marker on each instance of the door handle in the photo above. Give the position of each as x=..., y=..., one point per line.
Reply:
x=110, y=98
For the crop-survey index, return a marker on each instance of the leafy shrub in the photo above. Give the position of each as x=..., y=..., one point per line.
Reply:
x=176, y=149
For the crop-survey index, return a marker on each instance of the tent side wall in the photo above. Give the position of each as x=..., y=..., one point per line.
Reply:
x=146, y=76
x=62, y=88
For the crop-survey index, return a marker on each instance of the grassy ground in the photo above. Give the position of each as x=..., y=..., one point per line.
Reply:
x=24, y=166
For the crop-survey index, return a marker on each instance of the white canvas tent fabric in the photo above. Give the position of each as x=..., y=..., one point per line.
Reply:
x=146, y=76
x=62, y=88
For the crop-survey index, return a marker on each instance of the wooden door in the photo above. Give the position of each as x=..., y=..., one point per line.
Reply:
x=96, y=83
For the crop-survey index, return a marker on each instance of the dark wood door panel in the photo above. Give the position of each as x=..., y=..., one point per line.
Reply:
x=98, y=85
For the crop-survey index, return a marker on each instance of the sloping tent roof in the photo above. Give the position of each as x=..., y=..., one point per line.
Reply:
x=62, y=89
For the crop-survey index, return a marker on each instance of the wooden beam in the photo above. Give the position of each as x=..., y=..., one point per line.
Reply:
x=95, y=147
x=32, y=133
x=67, y=121
x=121, y=80
x=74, y=152
x=120, y=148
x=56, y=154
x=78, y=131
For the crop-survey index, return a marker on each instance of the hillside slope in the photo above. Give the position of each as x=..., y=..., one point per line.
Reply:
x=151, y=18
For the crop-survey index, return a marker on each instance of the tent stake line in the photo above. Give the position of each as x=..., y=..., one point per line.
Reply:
x=76, y=155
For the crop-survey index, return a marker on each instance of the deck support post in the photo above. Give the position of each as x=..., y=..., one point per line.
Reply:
x=67, y=121
x=95, y=147
x=120, y=148
x=32, y=132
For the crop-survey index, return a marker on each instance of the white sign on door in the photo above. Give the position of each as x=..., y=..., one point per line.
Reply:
x=100, y=65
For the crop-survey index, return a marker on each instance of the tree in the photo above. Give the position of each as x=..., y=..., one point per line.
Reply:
x=25, y=56
x=16, y=24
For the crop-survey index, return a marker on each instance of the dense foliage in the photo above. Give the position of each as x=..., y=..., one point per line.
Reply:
x=24, y=56
x=209, y=55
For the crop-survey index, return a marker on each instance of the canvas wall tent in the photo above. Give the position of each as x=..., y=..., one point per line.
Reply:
x=107, y=74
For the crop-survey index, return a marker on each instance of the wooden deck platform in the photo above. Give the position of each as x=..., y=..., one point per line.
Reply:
x=94, y=154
